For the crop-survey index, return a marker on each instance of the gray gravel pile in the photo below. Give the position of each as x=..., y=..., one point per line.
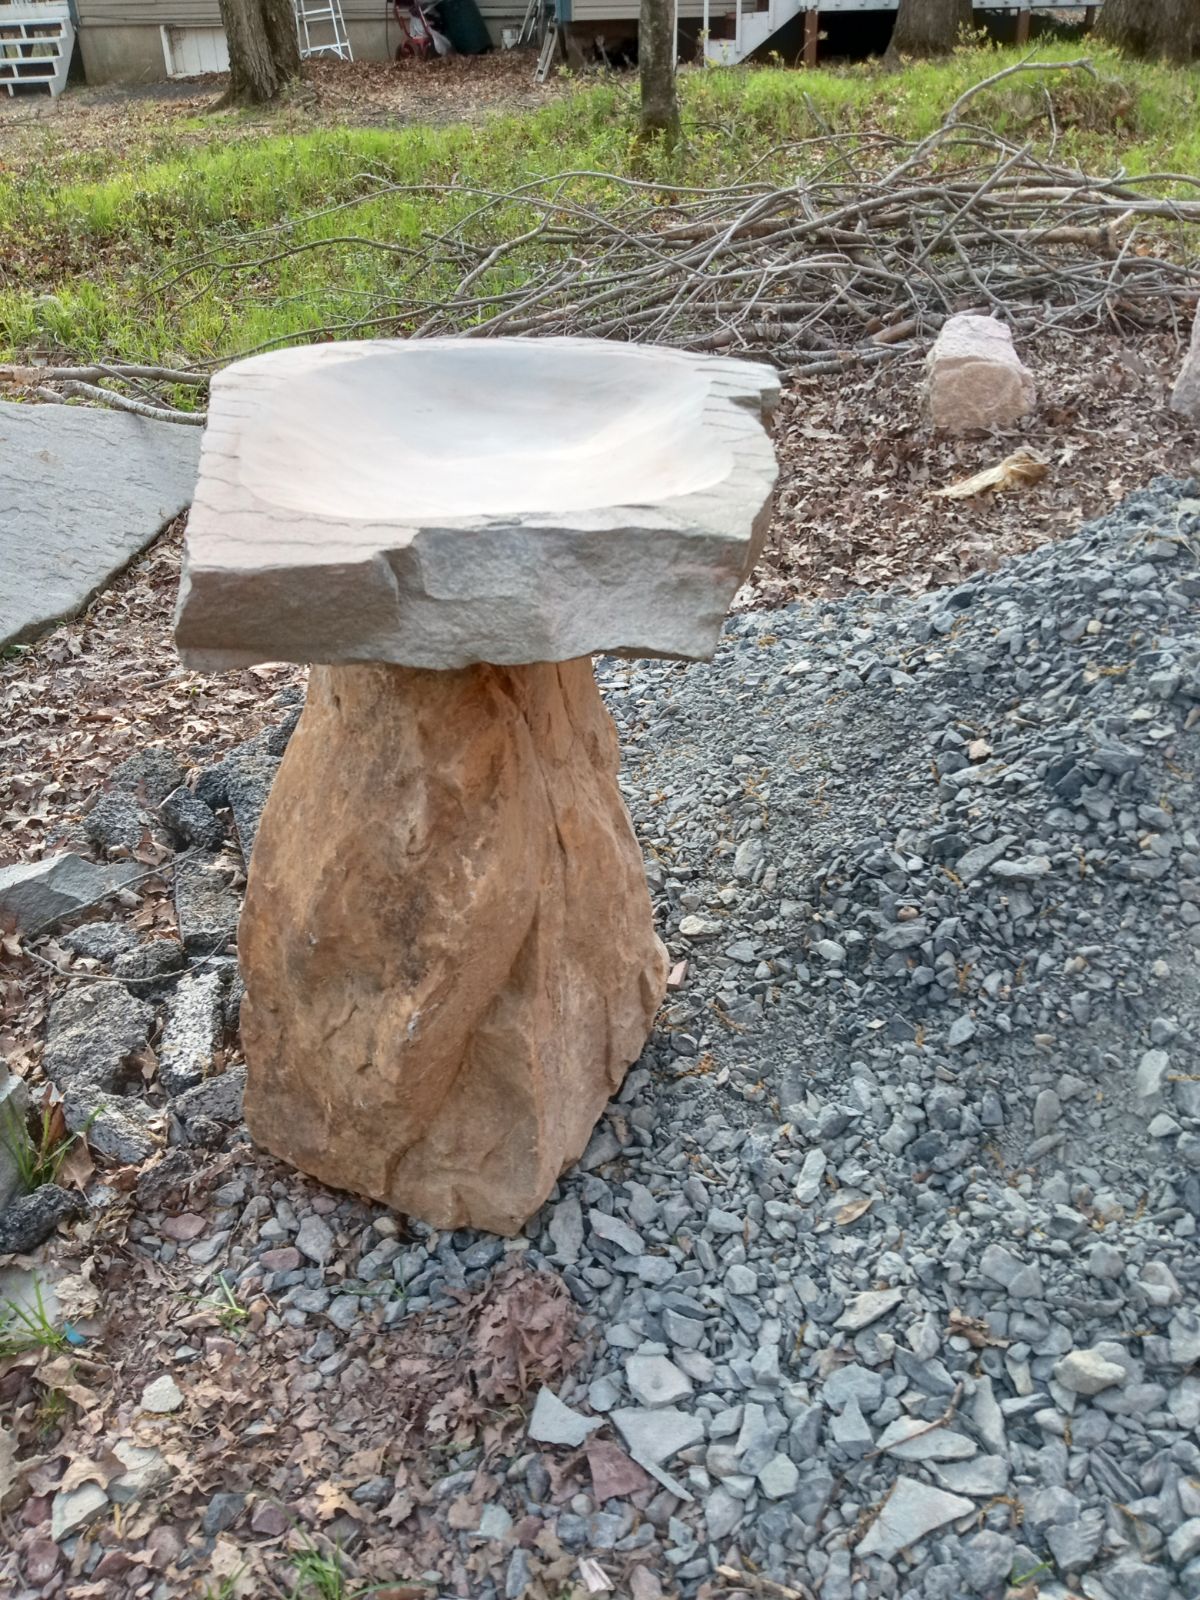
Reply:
x=888, y=1245
x=922, y=1141
x=887, y=1248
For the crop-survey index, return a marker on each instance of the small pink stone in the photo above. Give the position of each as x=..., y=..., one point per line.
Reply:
x=41, y=1561
x=36, y=1510
x=285, y=1259
x=183, y=1227
x=269, y=1520
x=163, y=1545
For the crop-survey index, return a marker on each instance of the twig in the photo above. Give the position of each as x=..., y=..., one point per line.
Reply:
x=1081, y=64
x=139, y=408
x=946, y=1417
x=756, y=1583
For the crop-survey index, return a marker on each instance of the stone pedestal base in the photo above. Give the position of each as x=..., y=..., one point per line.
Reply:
x=447, y=941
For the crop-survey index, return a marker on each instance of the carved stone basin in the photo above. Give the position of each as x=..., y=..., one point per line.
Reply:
x=443, y=502
x=447, y=941
x=480, y=428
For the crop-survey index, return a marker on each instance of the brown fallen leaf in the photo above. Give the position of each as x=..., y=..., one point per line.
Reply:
x=330, y=1498
x=1016, y=471
x=61, y=1372
x=77, y=1166
x=82, y=1470
x=974, y=1330
x=595, y=1579
x=8, y=1465
x=853, y=1209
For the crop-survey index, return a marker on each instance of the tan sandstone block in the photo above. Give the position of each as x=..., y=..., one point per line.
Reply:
x=448, y=944
x=976, y=380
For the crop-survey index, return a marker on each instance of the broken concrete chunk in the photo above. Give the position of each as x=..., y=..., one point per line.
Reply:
x=38, y=895
x=191, y=821
x=976, y=379
x=151, y=965
x=29, y=1219
x=150, y=774
x=162, y=1395
x=92, y=1031
x=99, y=941
x=249, y=773
x=116, y=1126
x=119, y=822
x=207, y=907
x=192, y=1032
x=215, y=1100
x=242, y=781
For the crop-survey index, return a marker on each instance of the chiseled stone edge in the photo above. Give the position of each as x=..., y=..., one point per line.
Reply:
x=691, y=552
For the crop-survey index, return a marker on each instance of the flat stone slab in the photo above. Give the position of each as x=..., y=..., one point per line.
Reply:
x=1185, y=397
x=82, y=491
x=474, y=500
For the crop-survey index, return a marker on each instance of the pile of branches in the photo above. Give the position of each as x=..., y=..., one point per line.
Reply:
x=859, y=259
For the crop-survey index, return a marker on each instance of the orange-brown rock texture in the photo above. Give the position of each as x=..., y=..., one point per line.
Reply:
x=447, y=941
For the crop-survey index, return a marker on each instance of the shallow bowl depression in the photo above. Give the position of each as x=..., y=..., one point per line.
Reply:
x=412, y=433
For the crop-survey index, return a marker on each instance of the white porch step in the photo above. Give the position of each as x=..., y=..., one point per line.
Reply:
x=36, y=41
x=756, y=27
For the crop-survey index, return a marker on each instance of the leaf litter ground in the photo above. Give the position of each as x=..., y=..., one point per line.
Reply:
x=430, y=1412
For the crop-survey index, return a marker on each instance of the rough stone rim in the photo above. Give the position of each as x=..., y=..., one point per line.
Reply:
x=740, y=397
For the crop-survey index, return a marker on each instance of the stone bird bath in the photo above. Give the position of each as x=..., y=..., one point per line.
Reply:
x=447, y=941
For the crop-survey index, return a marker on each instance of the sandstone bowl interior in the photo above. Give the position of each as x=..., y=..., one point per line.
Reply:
x=482, y=428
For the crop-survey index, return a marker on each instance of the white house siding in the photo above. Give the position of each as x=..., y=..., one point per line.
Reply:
x=121, y=40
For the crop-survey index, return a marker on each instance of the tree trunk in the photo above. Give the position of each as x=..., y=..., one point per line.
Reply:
x=928, y=27
x=656, y=70
x=264, y=52
x=1152, y=28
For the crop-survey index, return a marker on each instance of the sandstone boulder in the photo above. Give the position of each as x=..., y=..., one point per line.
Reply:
x=1185, y=398
x=442, y=502
x=976, y=379
x=447, y=938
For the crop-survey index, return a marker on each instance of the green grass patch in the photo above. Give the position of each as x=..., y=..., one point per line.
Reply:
x=92, y=243
x=25, y=1327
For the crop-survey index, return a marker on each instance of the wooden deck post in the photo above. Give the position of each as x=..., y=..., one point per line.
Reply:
x=812, y=24
x=1023, y=25
x=1089, y=18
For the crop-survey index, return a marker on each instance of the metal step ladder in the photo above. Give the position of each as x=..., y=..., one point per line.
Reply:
x=36, y=41
x=550, y=46
x=321, y=29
